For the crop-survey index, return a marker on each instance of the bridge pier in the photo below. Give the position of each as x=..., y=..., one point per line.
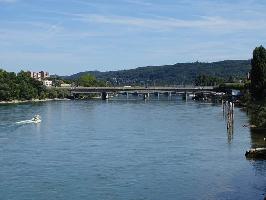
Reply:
x=167, y=91
x=135, y=94
x=169, y=95
x=104, y=95
x=146, y=96
x=157, y=94
x=185, y=96
x=75, y=96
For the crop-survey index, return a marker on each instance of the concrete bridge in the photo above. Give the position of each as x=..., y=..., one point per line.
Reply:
x=145, y=91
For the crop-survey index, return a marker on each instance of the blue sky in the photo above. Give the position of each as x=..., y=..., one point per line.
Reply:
x=68, y=36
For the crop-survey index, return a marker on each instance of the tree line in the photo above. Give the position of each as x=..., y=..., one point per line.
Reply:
x=22, y=86
x=177, y=74
x=257, y=88
x=19, y=86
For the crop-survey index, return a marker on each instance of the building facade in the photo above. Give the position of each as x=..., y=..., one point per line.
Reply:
x=47, y=83
x=40, y=76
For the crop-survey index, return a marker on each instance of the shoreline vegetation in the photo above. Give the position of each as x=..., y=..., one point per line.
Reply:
x=32, y=101
x=255, y=94
x=22, y=88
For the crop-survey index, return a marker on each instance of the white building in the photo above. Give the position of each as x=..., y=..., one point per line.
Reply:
x=65, y=85
x=39, y=75
x=47, y=83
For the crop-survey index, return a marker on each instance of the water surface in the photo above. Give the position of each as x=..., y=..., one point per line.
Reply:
x=133, y=150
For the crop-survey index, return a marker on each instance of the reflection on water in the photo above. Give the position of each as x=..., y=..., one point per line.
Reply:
x=257, y=138
x=257, y=134
x=127, y=150
x=228, y=116
x=230, y=135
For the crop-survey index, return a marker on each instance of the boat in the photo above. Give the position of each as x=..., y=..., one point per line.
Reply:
x=36, y=119
x=256, y=153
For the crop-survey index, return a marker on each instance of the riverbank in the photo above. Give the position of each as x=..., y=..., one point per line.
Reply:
x=257, y=112
x=31, y=101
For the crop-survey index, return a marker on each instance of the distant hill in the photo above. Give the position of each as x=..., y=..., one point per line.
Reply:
x=179, y=73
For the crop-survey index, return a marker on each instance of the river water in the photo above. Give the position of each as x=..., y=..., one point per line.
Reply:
x=126, y=150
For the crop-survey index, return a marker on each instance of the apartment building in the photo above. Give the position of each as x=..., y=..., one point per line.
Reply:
x=40, y=76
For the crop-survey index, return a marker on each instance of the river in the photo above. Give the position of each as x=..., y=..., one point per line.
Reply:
x=126, y=150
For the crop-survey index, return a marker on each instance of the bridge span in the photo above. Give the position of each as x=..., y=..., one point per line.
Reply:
x=145, y=91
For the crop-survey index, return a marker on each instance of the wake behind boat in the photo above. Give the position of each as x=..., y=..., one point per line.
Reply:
x=36, y=119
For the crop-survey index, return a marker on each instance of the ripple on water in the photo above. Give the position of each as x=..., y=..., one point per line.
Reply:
x=126, y=150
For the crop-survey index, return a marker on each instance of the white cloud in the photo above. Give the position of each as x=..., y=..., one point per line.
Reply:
x=173, y=23
x=139, y=2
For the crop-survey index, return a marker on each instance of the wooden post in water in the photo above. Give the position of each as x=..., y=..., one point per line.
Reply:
x=104, y=95
x=228, y=108
x=223, y=106
x=185, y=96
x=145, y=96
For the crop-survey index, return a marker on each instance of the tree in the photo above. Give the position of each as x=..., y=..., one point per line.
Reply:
x=205, y=80
x=20, y=86
x=258, y=73
x=87, y=80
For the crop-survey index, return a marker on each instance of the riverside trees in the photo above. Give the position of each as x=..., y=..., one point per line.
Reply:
x=22, y=87
x=88, y=80
x=258, y=87
x=19, y=86
x=258, y=74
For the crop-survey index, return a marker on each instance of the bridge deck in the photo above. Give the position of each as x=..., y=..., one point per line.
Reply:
x=137, y=89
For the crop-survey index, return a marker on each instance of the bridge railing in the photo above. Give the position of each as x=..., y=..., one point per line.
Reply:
x=141, y=88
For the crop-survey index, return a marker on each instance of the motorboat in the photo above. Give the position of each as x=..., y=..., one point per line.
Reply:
x=36, y=119
x=256, y=153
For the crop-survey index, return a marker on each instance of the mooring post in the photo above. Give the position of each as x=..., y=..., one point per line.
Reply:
x=185, y=96
x=233, y=108
x=104, y=95
x=169, y=95
x=145, y=96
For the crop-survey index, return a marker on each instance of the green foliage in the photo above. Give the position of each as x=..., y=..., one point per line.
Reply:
x=258, y=113
x=88, y=80
x=256, y=99
x=205, y=80
x=20, y=86
x=57, y=80
x=180, y=73
x=52, y=93
x=235, y=86
x=258, y=73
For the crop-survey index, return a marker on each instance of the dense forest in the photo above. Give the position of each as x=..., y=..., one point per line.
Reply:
x=177, y=74
x=257, y=90
x=19, y=86
x=22, y=87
